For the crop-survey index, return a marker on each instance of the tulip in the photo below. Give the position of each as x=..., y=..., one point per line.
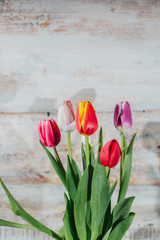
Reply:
x=122, y=116
x=66, y=117
x=49, y=133
x=110, y=154
x=86, y=120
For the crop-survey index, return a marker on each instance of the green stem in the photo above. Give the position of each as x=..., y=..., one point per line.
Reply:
x=121, y=164
x=107, y=171
x=87, y=150
x=58, y=158
x=121, y=160
x=69, y=147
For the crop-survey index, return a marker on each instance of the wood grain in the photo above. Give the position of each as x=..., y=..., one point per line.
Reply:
x=104, y=50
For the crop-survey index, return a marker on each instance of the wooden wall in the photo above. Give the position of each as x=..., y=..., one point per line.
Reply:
x=102, y=51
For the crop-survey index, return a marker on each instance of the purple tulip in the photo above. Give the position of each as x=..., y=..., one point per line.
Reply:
x=122, y=116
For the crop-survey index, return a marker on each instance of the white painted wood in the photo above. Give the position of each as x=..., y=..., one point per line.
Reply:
x=86, y=50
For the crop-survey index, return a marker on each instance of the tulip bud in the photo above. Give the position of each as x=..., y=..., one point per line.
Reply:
x=66, y=117
x=86, y=120
x=110, y=154
x=49, y=133
x=122, y=116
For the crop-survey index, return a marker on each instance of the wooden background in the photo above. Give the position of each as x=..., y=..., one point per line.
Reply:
x=102, y=51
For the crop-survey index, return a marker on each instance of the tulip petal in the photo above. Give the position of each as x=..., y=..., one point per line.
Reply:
x=117, y=115
x=115, y=153
x=50, y=139
x=61, y=117
x=79, y=117
x=89, y=123
x=104, y=154
x=70, y=111
x=126, y=115
x=41, y=136
x=57, y=133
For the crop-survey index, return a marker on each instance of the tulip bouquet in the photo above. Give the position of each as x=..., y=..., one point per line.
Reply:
x=89, y=214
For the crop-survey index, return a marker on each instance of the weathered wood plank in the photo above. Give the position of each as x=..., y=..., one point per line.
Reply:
x=82, y=16
x=46, y=203
x=23, y=160
x=104, y=50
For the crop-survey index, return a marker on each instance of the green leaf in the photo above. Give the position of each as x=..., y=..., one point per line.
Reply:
x=56, y=165
x=100, y=198
x=19, y=211
x=69, y=226
x=71, y=180
x=126, y=171
x=5, y=223
x=61, y=232
x=76, y=170
x=81, y=207
x=119, y=231
x=122, y=209
x=107, y=224
x=83, y=157
x=106, y=235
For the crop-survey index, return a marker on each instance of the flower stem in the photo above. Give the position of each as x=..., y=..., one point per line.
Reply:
x=107, y=171
x=69, y=147
x=57, y=157
x=87, y=150
x=121, y=164
x=122, y=157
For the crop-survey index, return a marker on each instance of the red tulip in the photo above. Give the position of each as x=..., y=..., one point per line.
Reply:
x=110, y=154
x=49, y=133
x=86, y=120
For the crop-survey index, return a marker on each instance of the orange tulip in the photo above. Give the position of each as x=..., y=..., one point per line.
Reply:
x=86, y=120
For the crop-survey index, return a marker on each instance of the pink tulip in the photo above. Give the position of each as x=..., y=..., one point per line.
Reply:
x=122, y=116
x=49, y=133
x=66, y=117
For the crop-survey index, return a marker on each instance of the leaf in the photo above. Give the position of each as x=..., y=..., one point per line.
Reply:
x=100, y=197
x=81, y=203
x=126, y=171
x=61, y=232
x=83, y=157
x=19, y=211
x=69, y=226
x=119, y=231
x=122, y=209
x=107, y=224
x=5, y=223
x=107, y=233
x=56, y=165
x=71, y=180
x=76, y=170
